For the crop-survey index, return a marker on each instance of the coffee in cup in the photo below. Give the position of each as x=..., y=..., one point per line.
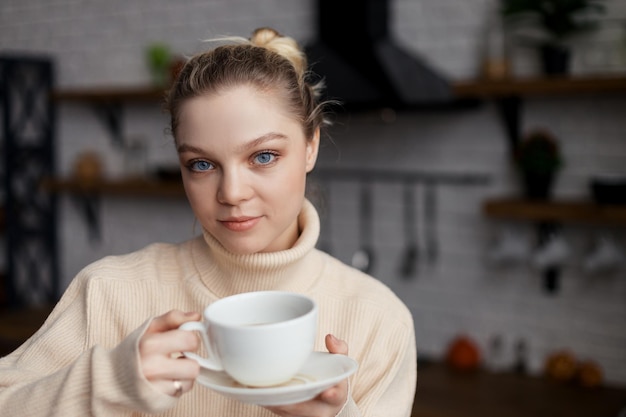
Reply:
x=259, y=338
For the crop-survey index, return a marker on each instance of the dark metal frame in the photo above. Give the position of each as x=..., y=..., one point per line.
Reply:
x=28, y=123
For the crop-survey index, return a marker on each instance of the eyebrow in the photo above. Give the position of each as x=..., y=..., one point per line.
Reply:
x=261, y=140
x=246, y=146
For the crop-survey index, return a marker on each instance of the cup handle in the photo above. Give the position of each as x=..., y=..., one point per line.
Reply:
x=211, y=362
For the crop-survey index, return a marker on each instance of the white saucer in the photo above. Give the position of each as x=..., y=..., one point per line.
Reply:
x=321, y=371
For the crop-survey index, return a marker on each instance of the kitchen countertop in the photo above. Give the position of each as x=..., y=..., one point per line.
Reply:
x=443, y=392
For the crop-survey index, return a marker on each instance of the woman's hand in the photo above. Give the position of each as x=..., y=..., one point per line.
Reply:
x=328, y=403
x=159, y=353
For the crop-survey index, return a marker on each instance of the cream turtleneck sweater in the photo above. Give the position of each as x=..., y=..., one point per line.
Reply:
x=84, y=359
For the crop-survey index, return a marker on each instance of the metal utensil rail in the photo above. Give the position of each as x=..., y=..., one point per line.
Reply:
x=409, y=179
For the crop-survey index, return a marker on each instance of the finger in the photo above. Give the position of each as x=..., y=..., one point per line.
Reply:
x=335, y=345
x=314, y=407
x=171, y=320
x=170, y=386
x=335, y=395
x=158, y=367
x=329, y=402
x=168, y=342
x=308, y=408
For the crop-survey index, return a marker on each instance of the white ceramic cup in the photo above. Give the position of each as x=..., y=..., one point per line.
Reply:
x=258, y=338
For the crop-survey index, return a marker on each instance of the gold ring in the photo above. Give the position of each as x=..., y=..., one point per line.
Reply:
x=178, y=386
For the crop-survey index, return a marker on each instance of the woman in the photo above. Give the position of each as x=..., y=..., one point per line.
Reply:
x=246, y=124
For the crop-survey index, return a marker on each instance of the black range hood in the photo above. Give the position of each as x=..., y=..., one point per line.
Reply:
x=362, y=66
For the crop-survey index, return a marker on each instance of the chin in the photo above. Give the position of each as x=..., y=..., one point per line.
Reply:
x=243, y=248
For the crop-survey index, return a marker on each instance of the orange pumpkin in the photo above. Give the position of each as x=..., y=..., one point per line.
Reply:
x=590, y=374
x=463, y=354
x=561, y=366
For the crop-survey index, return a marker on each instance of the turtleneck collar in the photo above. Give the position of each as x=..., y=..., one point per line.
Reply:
x=295, y=269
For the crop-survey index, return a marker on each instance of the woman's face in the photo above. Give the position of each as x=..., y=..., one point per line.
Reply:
x=244, y=162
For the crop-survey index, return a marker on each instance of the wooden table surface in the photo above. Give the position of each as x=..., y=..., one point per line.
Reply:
x=442, y=392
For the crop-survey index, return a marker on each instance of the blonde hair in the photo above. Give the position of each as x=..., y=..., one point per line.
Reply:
x=268, y=61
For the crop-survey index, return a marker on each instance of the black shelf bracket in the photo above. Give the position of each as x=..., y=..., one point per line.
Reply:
x=111, y=114
x=89, y=205
x=510, y=109
x=552, y=274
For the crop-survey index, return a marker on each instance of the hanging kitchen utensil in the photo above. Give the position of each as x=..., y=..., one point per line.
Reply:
x=363, y=258
x=408, y=266
x=90, y=206
x=430, y=216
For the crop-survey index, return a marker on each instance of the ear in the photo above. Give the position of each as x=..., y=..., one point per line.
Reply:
x=312, y=148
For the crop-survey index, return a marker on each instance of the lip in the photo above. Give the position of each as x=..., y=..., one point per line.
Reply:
x=240, y=224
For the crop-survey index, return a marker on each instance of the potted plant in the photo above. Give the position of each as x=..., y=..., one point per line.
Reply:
x=159, y=59
x=555, y=22
x=538, y=159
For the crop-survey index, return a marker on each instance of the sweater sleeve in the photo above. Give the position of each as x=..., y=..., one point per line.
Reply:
x=57, y=373
x=398, y=388
x=391, y=389
x=380, y=333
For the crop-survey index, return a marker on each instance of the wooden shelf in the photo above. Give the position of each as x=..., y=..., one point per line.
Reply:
x=118, y=187
x=508, y=94
x=110, y=101
x=537, y=86
x=111, y=94
x=525, y=87
x=583, y=212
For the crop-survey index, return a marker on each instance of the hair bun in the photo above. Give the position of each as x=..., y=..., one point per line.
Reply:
x=283, y=45
x=264, y=36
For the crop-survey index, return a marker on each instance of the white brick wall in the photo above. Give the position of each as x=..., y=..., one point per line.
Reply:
x=101, y=43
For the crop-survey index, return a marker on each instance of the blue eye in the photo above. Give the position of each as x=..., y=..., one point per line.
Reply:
x=201, y=165
x=264, y=158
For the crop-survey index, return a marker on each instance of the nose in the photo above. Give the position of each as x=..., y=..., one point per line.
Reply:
x=233, y=187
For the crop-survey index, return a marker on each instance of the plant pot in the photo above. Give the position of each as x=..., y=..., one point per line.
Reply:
x=609, y=189
x=555, y=59
x=538, y=186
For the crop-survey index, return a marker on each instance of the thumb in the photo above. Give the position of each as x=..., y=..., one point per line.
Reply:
x=335, y=345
